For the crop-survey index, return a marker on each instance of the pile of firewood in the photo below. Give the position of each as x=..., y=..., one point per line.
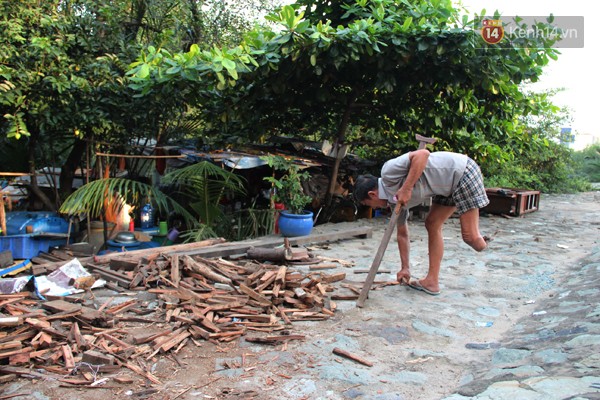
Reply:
x=197, y=299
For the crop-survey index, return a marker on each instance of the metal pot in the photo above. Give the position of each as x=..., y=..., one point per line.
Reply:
x=125, y=237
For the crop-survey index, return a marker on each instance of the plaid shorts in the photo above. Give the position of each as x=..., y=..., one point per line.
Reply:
x=470, y=192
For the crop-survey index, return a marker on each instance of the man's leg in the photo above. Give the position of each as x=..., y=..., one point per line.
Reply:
x=434, y=223
x=469, y=228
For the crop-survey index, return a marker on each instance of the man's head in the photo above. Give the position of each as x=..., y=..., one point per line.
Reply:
x=366, y=192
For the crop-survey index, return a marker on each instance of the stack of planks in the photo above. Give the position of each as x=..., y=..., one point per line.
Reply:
x=198, y=299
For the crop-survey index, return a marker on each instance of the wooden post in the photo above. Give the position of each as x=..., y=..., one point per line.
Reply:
x=2, y=217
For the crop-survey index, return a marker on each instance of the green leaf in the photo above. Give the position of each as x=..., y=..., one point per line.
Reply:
x=143, y=71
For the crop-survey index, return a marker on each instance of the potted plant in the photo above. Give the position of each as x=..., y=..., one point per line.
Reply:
x=294, y=220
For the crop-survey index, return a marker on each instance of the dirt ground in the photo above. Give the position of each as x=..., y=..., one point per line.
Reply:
x=420, y=346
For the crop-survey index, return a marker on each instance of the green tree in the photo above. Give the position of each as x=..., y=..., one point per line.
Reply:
x=62, y=65
x=381, y=69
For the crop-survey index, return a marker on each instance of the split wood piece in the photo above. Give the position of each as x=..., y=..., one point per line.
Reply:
x=340, y=276
x=19, y=336
x=263, y=301
x=220, y=267
x=143, y=373
x=8, y=353
x=197, y=332
x=266, y=280
x=299, y=254
x=94, y=357
x=352, y=289
x=123, y=346
x=11, y=345
x=10, y=321
x=76, y=336
x=273, y=340
x=343, y=263
x=120, y=308
x=18, y=359
x=125, y=265
x=146, y=337
x=227, y=335
x=8, y=378
x=265, y=318
x=308, y=316
x=88, y=315
x=352, y=357
x=175, y=270
x=366, y=271
x=344, y=297
x=322, y=266
x=228, y=306
x=27, y=372
x=68, y=357
x=41, y=340
x=204, y=270
x=108, y=274
x=279, y=281
x=174, y=340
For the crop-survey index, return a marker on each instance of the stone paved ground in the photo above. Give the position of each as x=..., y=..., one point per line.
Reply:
x=520, y=321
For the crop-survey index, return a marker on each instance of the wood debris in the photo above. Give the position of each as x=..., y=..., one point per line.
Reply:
x=198, y=298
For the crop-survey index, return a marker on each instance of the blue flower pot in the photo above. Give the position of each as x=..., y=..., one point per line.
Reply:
x=295, y=224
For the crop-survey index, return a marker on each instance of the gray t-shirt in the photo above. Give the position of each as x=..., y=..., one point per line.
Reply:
x=440, y=177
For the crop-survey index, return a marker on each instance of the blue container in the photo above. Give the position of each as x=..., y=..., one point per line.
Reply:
x=295, y=224
x=29, y=246
x=27, y=222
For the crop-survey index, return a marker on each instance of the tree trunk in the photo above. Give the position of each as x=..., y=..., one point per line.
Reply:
x=339, y=142
x=34, y=189
x=67, y=172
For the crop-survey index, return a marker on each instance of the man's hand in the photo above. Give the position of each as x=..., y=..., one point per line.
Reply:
x=403, y=276
x=403, y=196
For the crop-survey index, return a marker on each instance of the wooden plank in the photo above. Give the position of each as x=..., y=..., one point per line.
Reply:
x=229, y=249
x=87, y=314
x=133, y=255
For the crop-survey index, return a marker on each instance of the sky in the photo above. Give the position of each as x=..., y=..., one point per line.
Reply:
x=576, y=68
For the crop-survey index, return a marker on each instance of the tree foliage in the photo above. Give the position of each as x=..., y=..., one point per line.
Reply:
x=62, y=69
x=367, y=73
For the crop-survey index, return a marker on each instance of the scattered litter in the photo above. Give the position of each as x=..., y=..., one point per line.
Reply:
x=484, y=324
x=539, y=313
x=530, y=302
x=58, y=283
x=562, y=246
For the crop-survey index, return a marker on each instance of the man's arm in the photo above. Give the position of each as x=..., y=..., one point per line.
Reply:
x=418, y=162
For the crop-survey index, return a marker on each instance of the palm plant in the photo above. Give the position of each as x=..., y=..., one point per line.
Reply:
x=97, y=198
x=205, y=185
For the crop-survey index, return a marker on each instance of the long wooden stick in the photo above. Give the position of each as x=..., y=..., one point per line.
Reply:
x=378, y=257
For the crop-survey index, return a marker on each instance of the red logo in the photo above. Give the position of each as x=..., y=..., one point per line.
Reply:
x=492, y=31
